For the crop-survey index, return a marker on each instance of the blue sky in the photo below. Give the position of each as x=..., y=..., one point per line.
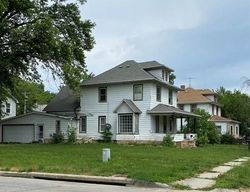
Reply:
x=206, y=40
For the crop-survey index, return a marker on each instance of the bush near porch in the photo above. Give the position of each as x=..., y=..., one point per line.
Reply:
x=145, y=162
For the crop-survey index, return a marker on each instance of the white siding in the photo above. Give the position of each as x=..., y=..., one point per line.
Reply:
x=156, y=72
x=223, y=127
x=115, y=95
x=48, y=122
x=206, y=107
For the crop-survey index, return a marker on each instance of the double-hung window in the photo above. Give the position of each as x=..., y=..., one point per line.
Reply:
x=58, y=126
x=8, y=108
x=170, y=97
x=138, y=92
x=158, y=93
x=125, y=122
x=83, y=124
x=101, y=123
x=103, y=94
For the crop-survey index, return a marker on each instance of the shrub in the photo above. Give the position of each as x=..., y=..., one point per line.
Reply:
x=206, y=130
x=71, y=135
x=106, y=135
x=58, y=137
x=227, y=139
x=168, y=140
x=202, y=140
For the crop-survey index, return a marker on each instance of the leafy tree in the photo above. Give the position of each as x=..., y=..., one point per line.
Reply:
x=205, y=129
x=42, y=33
x=30, y=93
x=172, y=77
x=236, y=105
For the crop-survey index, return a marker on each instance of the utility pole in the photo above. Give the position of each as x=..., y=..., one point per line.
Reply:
x=190, y=81
x=25, y=103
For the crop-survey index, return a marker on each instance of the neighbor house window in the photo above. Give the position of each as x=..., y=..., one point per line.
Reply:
x=218, y=129
x=157, y=124
x=170, y=97
x=103, y=94
x=158, y=93
x=83, y=124
x=138, y=92
x=171, y=124
x=231, y=130
x=58, y=126
x=193, y=107
x=8, y=108
x=181, y=107
x=125, y=122
x=163, y=74
x=101, y=123
x=166, y=76
x=40, y=131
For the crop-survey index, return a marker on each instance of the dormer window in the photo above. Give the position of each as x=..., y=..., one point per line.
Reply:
x=138, y=92
x=166, y=76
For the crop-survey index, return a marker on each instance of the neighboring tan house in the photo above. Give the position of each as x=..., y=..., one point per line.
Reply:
x=190, y=99
x=58, y=116
x=9, y=107
x=136, y=99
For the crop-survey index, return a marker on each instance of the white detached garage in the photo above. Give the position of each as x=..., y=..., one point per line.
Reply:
x=33, y=127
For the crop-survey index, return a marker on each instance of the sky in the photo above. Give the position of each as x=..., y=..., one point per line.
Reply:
x=208, y=41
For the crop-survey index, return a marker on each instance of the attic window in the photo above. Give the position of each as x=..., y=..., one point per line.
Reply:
x=8, y=108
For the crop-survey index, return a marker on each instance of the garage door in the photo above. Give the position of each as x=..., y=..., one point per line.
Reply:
x=18, y=133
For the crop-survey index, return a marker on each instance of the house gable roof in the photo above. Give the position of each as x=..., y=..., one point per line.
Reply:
x=130, y=104
x=64, y=101
x=129, y=71
x=216, y=118
x=166, y=109
x=190, y=95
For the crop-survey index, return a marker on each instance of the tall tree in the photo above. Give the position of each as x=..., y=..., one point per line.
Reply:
x=29, y=94
x=45, y=33
x=236, y=105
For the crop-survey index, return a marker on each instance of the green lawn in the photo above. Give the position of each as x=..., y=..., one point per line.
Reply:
x=236, y=178
x=146, y=162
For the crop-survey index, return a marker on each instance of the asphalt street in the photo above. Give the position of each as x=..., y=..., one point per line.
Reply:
x=13, y=184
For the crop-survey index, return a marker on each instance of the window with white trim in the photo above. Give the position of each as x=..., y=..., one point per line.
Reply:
x=218, y=127
x=170, y=97
x=158, y=93
x=125, y=123
x=40, y=131
x=58, y=126
x=7, y=110
x=83, y=124
x=138, y=92
x=101, y=123
x=102, y=94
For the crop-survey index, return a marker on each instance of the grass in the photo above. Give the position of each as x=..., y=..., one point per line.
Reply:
x=145, y=162
x=236, y=178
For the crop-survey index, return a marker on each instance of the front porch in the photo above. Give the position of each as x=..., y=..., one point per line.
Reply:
x=165, y=117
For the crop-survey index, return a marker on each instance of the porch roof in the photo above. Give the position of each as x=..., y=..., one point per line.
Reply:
x=162, y=109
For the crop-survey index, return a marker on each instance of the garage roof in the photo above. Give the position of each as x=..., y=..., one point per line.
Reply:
x=36, y=113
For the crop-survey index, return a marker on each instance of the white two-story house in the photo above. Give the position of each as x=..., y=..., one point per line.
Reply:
x=136, y=99
x=189, y=99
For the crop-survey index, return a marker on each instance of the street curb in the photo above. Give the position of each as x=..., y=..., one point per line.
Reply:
x=85, y=179
x=70, y=177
